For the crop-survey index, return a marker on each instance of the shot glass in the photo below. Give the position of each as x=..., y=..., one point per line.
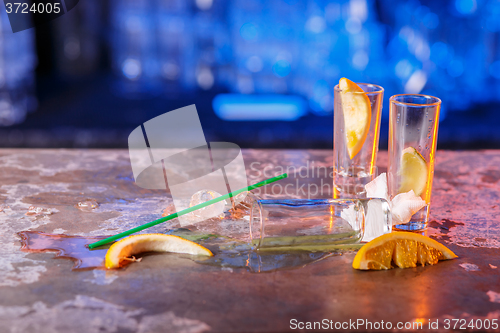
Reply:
x=352, y=174
x=317, y=224
x=413, y=130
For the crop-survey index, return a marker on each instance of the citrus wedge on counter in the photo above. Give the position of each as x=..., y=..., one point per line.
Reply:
x=413, y=172
x=356, y=108
x=403, y=249
x=119, y=252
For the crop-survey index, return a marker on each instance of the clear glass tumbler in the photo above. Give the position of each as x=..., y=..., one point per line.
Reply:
x=352, y=174
x=303, y=224
x=306, y=223
x=413, y=129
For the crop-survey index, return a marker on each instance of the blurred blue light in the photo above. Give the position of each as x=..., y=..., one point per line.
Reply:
x=249, y=31
x=495, y=69
x=315, y=106
x=204, y=4
x=236, y=107
x=254, y=64
x=131, y=69
x=281, y=68
x=353, y=25
x=440, y=54
x=403, y=69
x=360, y=60
x=455, y=68
x=466, y=7
x=304, y=47
x=321, y=88
x=316, y=24
x=431, y=20
x=283, y=32
x=492, y=24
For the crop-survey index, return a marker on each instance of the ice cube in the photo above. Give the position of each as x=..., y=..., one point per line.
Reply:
x=404, y=205
x=350, y=215
x=212, y=210
x=378, y=218
x=242, y=204
x=377, y=188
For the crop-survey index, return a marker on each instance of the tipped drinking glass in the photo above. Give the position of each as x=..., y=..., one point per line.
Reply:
x=317, y=224
x=355, y=149
x=413, y=129
x=305, y=223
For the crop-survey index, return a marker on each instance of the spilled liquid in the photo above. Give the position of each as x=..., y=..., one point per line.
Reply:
x=69, y=247
x=87, y=205
x=228, y=252
x=36, y=211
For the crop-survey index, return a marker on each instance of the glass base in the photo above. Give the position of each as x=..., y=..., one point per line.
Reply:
x=410, y=226
x=351, y=184
x=418, y=221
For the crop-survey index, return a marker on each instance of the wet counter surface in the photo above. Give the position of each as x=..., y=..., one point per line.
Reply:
x=172, y=293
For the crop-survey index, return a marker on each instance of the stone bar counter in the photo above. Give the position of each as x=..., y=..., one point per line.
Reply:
x=173, y=293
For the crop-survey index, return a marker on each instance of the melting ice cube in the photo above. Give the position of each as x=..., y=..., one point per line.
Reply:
x=212, y=210
x=241, y=205
x=404, y=205
x=378, y=218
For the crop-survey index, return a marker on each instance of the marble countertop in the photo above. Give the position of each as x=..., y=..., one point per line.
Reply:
x=40, y=293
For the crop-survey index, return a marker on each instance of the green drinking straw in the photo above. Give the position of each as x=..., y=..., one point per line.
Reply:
x=185, y=211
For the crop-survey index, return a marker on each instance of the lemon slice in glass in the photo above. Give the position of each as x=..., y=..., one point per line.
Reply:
x=356, y=108
x=403, y=249
x=413, y=172
x=119, y=252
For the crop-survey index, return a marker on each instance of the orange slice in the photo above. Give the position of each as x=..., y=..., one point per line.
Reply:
x=404, y=249
x=357, y=115
x=119, y=252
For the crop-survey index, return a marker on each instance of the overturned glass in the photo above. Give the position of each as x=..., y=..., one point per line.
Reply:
x=303, y=224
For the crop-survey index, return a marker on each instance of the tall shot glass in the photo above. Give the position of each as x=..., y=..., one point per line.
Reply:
x=413, y=129
x=352, y=174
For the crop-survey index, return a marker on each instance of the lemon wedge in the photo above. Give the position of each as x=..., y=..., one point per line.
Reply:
x=404, y=249
x=119, y=252
x=413, y=172
x=356, y=108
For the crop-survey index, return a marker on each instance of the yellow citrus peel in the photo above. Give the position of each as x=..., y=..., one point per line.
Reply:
x=120, y=252
x=413, y=172
x=403, y=249
x=356, y=108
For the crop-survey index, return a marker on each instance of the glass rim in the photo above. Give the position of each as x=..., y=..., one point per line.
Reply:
x=392, y=99
x=376, y=92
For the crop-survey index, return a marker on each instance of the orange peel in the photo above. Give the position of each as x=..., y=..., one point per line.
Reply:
x=404, y=249
x=356, y=108
x=119, y=253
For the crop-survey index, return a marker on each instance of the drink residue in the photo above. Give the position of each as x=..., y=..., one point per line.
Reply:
x=87, y=205
x=228, y=252
x=36, y=211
